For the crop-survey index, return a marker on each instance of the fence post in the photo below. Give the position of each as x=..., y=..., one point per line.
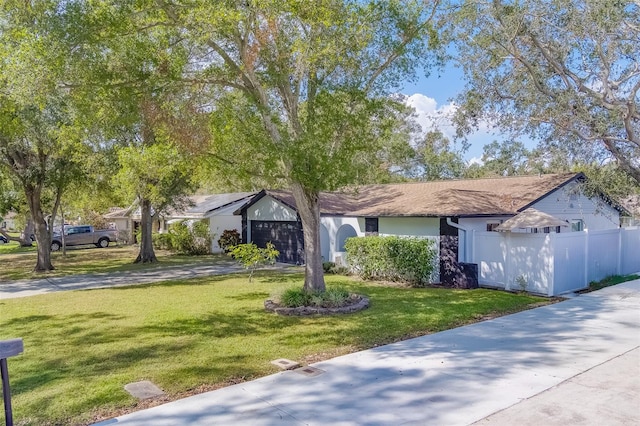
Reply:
x=586, y=258
x=552, y=252
x=8, y=348
x=507, y=263
x=619, y=265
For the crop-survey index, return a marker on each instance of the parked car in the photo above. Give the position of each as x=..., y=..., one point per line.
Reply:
x=3, y=239
x=84, y=235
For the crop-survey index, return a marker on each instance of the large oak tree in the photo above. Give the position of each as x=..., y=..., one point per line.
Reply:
x=564, y=71
x=299, y=90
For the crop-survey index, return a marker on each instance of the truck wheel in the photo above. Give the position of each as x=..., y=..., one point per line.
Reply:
x=55, y=246
x=103, y=242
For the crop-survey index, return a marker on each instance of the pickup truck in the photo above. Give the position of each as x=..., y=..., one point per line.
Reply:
x=78, y=235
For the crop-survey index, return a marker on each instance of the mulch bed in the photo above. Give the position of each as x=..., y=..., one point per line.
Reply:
x=356, y=303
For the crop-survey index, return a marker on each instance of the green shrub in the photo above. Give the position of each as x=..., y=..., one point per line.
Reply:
x=251, y=256
x=328, y=267
x=409, y=260
x=333, y=297
x=201, y=238
x=162, y=241
x=228, y=239
x=295, y=297
x=187, y=239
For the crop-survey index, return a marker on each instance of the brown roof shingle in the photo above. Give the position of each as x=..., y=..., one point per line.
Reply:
x=469, y=197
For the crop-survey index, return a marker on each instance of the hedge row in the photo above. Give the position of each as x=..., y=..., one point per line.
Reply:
x=392, y=258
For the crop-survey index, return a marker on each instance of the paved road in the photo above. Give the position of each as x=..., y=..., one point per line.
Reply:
x=572, y=363
x=24, y=288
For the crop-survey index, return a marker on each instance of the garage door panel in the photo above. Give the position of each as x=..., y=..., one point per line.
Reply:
x=285, y=236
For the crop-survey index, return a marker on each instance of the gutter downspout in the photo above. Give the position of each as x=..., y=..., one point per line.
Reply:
x=466, y=239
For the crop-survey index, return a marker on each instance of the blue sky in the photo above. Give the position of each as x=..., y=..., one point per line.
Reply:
x=432, y=97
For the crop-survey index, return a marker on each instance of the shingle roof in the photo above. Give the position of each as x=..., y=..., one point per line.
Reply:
x=468, y=197
x=207, y=203
x=116, y=212
x=199, y=206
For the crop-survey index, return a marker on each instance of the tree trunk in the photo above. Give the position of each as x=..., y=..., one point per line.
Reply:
x=42, y=234
x=64, y=240
x=146, y=254
x=25, y=236
x=309, y=211
x=24, y=239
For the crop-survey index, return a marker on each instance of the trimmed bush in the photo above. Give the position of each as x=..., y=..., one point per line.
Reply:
x=408, y=260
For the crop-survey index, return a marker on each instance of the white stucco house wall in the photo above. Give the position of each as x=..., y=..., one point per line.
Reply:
x=8, y=221
x=216, y=209
x=449, y=212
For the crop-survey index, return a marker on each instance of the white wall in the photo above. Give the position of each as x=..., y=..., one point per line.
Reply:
x=504, y=257
x=567, y=203
x=570, y=251
x=630, y=247
x=333, y=224
x=490, y=253
x=479, y=224
x=218, y=224
x=268, y=208
x=9, y=224
x=555, y=263
x=409, y=226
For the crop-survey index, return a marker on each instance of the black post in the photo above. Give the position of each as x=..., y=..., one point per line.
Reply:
x=6, y=392
x=8, y=348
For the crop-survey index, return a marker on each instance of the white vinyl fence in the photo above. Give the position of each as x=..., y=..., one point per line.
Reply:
x=553, y=264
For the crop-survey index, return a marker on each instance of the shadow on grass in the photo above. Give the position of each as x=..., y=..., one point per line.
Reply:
x=250, y=296
x=186, y=349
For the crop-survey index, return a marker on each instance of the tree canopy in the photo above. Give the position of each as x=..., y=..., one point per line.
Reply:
x=299, y=95
x=564, y=72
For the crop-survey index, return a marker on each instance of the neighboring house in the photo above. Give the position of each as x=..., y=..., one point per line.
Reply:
x=8, y=221
x=447, y=211
x=216, y=209
x=632, y=204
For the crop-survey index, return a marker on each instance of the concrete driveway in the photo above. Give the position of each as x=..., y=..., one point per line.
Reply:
x=574, y=362
x=24, y=288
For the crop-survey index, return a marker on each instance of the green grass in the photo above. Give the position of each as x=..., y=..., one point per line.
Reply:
x=612, y=280
x=13, y=247
x=18, y=265
x=82, y=347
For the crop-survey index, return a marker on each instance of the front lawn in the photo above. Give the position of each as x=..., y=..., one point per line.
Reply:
x=19, y=265
x=82, y=347
x=13, y=247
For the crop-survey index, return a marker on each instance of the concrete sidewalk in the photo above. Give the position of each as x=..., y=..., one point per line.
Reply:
x=552, y=365
x=24, y=288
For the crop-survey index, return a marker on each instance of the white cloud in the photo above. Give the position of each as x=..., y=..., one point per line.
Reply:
x=431, y=117
x=475, y=160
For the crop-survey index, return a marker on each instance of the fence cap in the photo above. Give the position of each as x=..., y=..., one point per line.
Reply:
x=11, y=347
